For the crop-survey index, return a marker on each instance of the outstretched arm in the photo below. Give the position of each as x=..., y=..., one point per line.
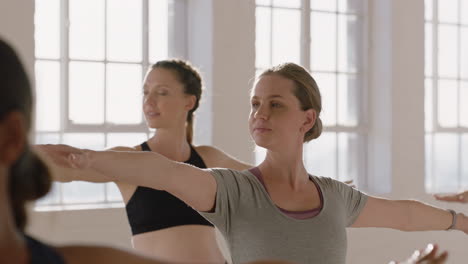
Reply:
x=407, y=215
x=53, y=156
x=194, y=186
x=461, y=197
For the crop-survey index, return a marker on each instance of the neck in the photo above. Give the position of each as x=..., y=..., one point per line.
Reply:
x=171, y=142
x=12, y=244
x=285, y=166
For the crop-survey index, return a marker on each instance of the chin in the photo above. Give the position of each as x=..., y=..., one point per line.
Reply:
x=152, y=124
x=262, y=142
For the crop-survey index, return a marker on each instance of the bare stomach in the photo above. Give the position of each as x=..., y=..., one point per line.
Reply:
x=189, y=244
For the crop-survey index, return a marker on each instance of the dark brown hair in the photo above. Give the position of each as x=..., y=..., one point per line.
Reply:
x=190, y=77
x=306, y=90
x=29, y=177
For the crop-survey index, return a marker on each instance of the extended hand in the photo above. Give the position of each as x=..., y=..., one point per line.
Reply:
x=459, y=197
x=426, y=256
x=64, y=155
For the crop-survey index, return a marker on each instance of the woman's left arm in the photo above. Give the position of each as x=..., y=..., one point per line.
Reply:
x=407, y=215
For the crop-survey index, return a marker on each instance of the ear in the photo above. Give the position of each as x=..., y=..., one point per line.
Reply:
x=12, y=137
x=191, y=100
x=310, y=116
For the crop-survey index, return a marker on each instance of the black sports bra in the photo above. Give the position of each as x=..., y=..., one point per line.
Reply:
x=150, y=210
x=42, y=254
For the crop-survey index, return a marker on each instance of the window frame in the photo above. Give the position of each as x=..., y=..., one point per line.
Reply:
x=361, y=129
x=177, y=47
x=434, y=127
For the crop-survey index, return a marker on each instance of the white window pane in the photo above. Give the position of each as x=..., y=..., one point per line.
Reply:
x=327, y=86
x=87, y=29
x=447, y=103
x=448, y=57
x=428, y=9
x=124, y=101
x=263, y=2
x=464, y=105
x=464, y=12
x=262, y=38
x=464, y=163
x=113, y=193
x=323, y=42
x=428, y=49
x=464, y=53
x=321, y=156
x=86, y=93
x=445, y=157
x=286, y=36
x=47, y=138
x=349, y=6
x=93, y=141
x=348, y=158
x=125, y=139
x=124, y=30
x=349, y=42
x=53, y=197
x=327, y=5
x=158, y=30
x=429, y=183
x=47, y=29
x=287, y=3
x=83, y=192
x=47, y=95
x=428, y=105
x=448, y=11
x=348, y=96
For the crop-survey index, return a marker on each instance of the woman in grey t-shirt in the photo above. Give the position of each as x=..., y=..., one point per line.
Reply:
x=277, y=210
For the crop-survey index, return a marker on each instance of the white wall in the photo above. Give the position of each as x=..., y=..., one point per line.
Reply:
x=16, y=27
x=222, y=43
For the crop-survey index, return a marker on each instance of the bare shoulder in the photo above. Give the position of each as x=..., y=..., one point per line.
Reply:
x=100, y=254
x=215, y=157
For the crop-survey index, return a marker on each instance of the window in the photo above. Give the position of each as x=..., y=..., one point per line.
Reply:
x=446, y=89
x=91, y=57
x=328, y=38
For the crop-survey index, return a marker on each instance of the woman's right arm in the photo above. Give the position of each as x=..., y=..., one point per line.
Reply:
x=194, y=186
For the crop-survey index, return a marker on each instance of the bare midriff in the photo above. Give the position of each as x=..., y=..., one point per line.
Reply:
x=188, y=244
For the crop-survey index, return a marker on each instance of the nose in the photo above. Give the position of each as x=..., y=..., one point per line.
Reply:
x=262, y=112
x=150, y=99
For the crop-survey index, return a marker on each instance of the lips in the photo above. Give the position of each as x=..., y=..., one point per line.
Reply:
x=152, y=114
x=262, y=129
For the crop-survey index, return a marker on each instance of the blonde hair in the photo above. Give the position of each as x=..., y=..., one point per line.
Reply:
x=306, y=91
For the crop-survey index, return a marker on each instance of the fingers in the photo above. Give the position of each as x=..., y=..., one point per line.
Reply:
x=58, y=154
x=429, y=256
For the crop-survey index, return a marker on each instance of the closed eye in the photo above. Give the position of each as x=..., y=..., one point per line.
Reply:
x=275, y=105
x=255, y=104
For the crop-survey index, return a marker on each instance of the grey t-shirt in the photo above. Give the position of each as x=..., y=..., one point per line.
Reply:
x=255, y=228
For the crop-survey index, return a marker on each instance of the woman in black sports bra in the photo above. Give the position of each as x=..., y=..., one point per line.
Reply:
x=162, y=225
